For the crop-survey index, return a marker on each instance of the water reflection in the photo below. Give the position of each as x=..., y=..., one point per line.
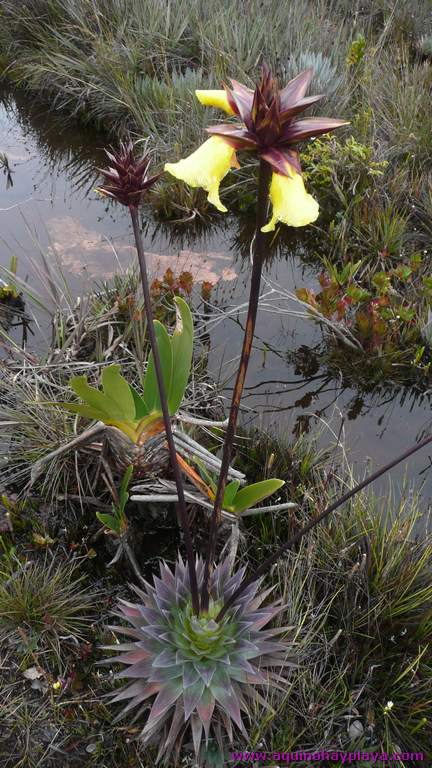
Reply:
x=12, y=312
x=72, y=153
x=291, y=384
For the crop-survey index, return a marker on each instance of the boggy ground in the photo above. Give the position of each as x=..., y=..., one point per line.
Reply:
x=358, y=594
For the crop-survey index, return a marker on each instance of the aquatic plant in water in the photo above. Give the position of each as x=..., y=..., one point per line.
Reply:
x=5, y=167
x=386, y=318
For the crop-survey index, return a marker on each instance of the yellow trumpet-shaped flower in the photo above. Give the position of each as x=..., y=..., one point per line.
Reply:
x=206, y=167
x=216, y=98
x=291, y=203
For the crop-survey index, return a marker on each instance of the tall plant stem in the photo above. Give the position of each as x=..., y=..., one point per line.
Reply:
x=264, y=567
x=260, y=239
x=165, y=412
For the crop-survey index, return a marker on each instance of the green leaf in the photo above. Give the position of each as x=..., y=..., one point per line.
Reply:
x=252, y=494
x=96, y=399
x=123, y=494
x=419, y=354
x=205, y=474
x=83, y=410
x=382, y=281
x=140, y=406
x=403, y=272
x=406, y=313
x=230, y=492
x=348, y=271
x=150, y=386
x=182, y=349
x=117, y=389
x=111, y=522
x=357, y=294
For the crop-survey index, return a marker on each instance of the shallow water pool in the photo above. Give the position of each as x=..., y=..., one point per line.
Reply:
x=52, y=209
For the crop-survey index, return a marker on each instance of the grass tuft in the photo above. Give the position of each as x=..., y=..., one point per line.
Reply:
x=368, y=575
x=43, y=603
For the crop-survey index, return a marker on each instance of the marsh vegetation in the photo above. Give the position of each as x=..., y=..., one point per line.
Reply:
x=74, y=529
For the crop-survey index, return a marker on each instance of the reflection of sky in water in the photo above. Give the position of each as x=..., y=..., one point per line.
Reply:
x=52, y=206
x=52, y=196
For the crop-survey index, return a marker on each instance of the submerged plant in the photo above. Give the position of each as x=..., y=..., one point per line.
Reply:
x=194, y=672
x=5, y=167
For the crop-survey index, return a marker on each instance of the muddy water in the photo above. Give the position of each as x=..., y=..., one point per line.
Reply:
x=51, y=209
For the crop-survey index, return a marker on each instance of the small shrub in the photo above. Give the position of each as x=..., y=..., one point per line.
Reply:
x=357, y=51
x=347, y=170
x=387, y=317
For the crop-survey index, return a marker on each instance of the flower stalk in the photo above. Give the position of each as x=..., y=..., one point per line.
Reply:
x=265, y=172
x=126, y=180
x=265, y=123
x=165, y=411
x=266, y=564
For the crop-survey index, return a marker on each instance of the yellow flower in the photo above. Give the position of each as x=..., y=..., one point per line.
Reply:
x=216, y=99
x=291, y=203
x=206, y=167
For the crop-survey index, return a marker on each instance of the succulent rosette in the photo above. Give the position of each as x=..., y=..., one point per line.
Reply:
x=194, y=675
x=267, y=124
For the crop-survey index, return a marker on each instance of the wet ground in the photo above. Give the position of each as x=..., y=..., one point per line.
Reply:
x=51, y=209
